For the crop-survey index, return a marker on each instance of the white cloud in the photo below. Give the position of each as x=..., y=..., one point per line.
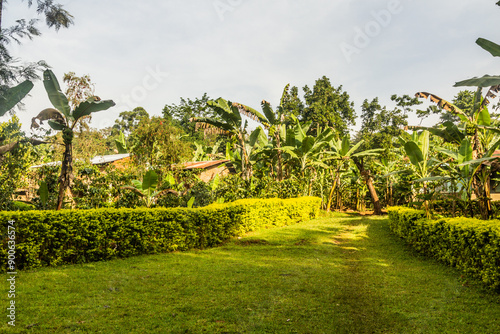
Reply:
x=260, y=46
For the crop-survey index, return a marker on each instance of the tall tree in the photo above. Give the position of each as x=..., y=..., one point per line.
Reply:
x=55, y=17
x=368, y=177
x=380, y=126
x=158, y=143
x=291, y=104
x=342, y=153
x=78, y=90
x=187, y=109
x=327, y=106
x=128, y=121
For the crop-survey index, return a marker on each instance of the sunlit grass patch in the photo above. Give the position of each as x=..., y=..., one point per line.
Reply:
x=344, y=274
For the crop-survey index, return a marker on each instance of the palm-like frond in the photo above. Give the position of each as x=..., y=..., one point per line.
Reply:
x=253, y=114
x=442, y=103
x=211, y=126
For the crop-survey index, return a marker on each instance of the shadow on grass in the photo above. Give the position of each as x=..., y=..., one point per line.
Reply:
x=395, y=290
x=329, y=275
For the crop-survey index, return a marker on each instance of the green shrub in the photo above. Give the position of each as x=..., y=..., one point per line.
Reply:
x=76, y=236
x=21, y=206
x=458, y=207
x=472, y=245
x=233, y=187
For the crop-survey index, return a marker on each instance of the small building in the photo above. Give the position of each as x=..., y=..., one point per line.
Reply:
x=119, y=160
x=210, y=168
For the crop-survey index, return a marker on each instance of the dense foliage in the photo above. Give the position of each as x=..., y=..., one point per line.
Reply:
x=471, y=245
x=58, y=237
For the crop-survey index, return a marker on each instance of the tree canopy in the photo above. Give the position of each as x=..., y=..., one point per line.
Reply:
x=327, y=106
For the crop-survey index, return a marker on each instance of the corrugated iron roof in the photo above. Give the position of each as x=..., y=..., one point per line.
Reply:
x=97, y=160
x=203, y=164
x=104, y=159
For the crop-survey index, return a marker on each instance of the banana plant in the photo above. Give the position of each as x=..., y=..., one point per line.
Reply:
x=308, y=149
x=460, y=172
x=274, y=123
x=478, y=126
x=388, y=169
x=252, y=146
x=10, y=97
x=44, y=194
x=230, y=122
x=121, y=144
x=147, y=189
x=13, y=95
x=62, y=118
x=424, y=165
x=486, y=80
x=206, y=153
x=341, y=154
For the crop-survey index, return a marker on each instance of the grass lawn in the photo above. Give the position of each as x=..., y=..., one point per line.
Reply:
x=336, y=274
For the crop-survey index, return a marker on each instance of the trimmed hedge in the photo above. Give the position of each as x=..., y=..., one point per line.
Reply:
x=471, y=245
x=450, y=208
x=49, y=238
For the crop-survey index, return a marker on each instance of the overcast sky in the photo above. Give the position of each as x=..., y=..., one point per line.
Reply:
x=150, y=53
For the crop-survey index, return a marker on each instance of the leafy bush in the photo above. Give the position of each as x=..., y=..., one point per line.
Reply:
x=450, y=208
x=94, y=188
x=76, y=236
x=14, y=163
x=21, y=206
x=233, y=187
x=472, y=245
x=49, y=174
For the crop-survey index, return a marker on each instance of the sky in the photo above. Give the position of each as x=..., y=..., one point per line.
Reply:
x=151, y=53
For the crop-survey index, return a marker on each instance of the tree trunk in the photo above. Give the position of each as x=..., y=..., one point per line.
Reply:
x=280, y=162
x=246, y=168
x=358, y=202
x=391, y=202
x=483, y=193
x=377, y=209
x=339, y=195
x=330, y=195
x=1, y=10
x=66, y=167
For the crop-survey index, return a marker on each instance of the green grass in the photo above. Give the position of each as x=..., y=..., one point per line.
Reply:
x=336, y=274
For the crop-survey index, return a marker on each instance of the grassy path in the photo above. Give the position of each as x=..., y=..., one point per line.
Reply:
x=331, y=275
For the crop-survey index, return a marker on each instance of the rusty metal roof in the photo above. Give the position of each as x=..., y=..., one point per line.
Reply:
x=203, y=164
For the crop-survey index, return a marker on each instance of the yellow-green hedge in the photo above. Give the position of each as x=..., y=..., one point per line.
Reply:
x=471, y=245
x=51, y=238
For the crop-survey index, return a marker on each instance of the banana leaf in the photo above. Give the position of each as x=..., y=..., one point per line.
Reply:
x=56, y=96
x=489, y=46
x=14, y=95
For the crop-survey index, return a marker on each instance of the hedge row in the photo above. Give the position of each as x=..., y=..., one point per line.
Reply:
x=49, y=238
x=449, y=208
x=472, y=245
